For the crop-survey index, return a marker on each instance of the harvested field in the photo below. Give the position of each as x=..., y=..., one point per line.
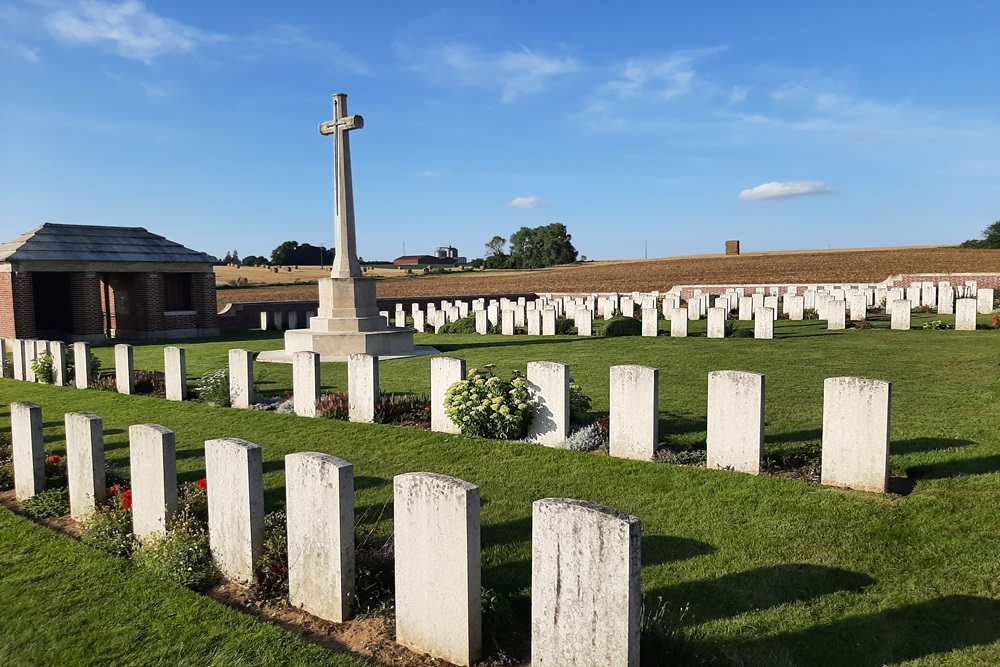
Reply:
x=661, y=274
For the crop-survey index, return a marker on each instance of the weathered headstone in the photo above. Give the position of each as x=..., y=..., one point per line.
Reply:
x=586, y=585
x=946, y=299
x=836, y=315
x=438, y=571
x=419, y=324
x=57, y=349
x=320, y=508
x=362, y=387
x=735, y=420
x=856, y=420
x=265, y=320
x=124, y=369
x=678, y=322
x=81, y=364
x=984, y=300
x=763, y=323
x=234, y=472
x=153, y=460
x=241, y=392
x=549, y=322
x=534, y=322
x=584, y=322
x=795, y=307
x=175, y=373
x=650, y=324
x=305, y=382
x=965, y=314
x=29, y=449
x=716, y=322
x=445, y=371
x=29, y=355
x=900, y=315
x=507, y=323
x=858, y=305
x=85, y=462
x=634, y=412
x=548, y=386
x=746, y=308
x=772, y=303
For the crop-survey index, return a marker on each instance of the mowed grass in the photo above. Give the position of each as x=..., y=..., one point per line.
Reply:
x=776, y=571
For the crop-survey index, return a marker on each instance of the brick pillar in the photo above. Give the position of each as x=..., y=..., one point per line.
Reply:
x=23, y=301
x=151, y=294
x=88, y=319
x=7, y=306
x=203, y=300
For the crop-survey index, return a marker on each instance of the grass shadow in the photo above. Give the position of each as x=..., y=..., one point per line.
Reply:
x=888, y=637
x=916, y=445
x=763, y=588
x=980, y=465
x=659, y=549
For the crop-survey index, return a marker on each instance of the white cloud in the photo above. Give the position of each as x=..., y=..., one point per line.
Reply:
x=19, y=51
x=128, y=28
x=514, y=73
x=786, y=190
x=664, y=78
x=527, y=202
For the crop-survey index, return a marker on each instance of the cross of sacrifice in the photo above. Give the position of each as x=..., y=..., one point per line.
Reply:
x=345, y=262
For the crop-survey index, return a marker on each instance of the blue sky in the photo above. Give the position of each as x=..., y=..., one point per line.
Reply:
x=787, y=125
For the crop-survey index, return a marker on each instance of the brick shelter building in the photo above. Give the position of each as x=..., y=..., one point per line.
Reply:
x=91, y=283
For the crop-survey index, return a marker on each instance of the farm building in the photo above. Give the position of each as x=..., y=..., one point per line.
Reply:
x=91, y=283
x=414, y=260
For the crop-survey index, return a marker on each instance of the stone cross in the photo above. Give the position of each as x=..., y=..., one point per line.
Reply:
x=345, y=262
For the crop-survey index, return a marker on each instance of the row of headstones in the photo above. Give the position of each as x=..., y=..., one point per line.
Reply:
x=586, y=566
x=25, y=350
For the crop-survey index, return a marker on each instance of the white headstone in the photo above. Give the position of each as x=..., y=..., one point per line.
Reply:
x=586, y=585
x=549, y=322
x=401, y=319
x=507, y=323
x=584, y=322
x=836, y=315
x=293, y=319
x=735, y=420
x=858, y=305
x=445, y=371
x=856, y=419
x=85, y=462
x=81, y=365
x=634, y=412
x=795, y=307
x=305, y=382
x=175, y=373
x=678, y=322
x=29, y=449
x=124, y=369
x=965, y=314
x=746, y=308
x=534, y=323
x=650, y=325
x=153, y=460
x=900, y=315
x=278, y=319
x=984, y=300
x=362, y=387
x=763, y=323
x=548, y=386
x=320, y=508
x=234, y=472
x=57, y=349
x=716, y=322
x=419, y=324
x=265, y=320
x=946, y=299
x=438, y=571
x=241, y=392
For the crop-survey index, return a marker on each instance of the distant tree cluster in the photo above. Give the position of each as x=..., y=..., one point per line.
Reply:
x=532, y=248
x=990, y=240
x=292, y=253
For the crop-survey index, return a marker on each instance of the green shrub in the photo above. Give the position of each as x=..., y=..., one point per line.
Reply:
x=936, y=324
x=44, y=368
x=664, y=639
x=681, y=456
x=150, y=383
x=488, y=406
x=403, y=410
x=109, y=529
x=465, y=325
x=579, y=405
x=180, y=556
x=213, y=388
x=192, y=502
x=498, y=614
x=810, y=314
x=742, y=332
x=622, y=326
x=270, y=578
x=6, y=467
x=587, y=439
x=48, y=504
x=564, y=326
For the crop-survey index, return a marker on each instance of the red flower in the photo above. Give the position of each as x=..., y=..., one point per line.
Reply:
x=203, y=484
x=288, y=392
x=427, y=409
x=114, y=488
x=54, y=459
x=127, y=499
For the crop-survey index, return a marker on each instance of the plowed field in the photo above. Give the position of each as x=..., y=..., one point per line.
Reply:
x=872, y=266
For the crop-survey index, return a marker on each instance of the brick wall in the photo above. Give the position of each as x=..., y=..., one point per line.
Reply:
x=88, y=318
x=7, y=329
x=203, y=300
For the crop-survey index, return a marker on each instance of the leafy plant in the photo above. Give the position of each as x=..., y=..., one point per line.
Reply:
x=181, y=555
x=587, y=438
x=680, y=455
x=466, y=325
x=109, y=529
x=47, y=504
x=579, y=405
x=936, y=324
x=403, y=410
x=104, y=383
x=213, y=388
x=43, y=366
x=6, y=466
x=270, y=579
x=810, y=314
x=489, y=406
x=150, y=383
x=374, y=564
x=333, y=406
x=622, y=326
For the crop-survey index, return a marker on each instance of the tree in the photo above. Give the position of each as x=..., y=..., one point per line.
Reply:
x=228, y=259
x=990, y=240
x=291, y=253
x=534, y=248
x=495, y=246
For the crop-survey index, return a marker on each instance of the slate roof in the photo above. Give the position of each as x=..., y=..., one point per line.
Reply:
x=53, y=242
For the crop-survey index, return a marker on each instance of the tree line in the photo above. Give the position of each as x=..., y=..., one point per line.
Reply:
x=531, y=248
x=990, y=240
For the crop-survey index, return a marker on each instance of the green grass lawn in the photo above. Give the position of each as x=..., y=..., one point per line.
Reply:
x=776, y=571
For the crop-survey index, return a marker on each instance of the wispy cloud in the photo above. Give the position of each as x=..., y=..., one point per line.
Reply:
x=514, y=73
x=527, y=202
x=126, y=28
x=19, y=51
x=786, y=190
x=286, y=38
x=664, y=78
